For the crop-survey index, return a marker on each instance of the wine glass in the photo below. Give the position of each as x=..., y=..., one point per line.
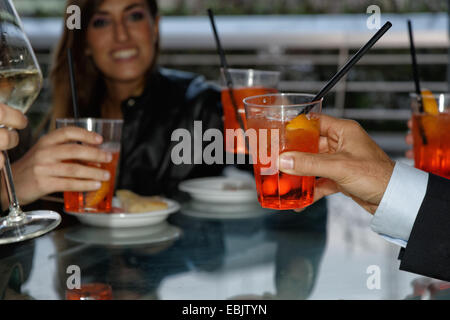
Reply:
x=20, y=83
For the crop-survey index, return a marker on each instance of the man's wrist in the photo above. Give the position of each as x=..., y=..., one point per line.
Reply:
x=401, y=202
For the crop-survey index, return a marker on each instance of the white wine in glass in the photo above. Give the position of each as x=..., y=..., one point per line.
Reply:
x=20, y=83
x=19, y=88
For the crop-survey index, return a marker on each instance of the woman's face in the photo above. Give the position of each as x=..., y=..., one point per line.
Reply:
x=121, y=39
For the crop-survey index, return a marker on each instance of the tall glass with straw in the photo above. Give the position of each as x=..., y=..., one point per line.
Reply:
x=239, y=84
x=415, y=68
x=294, y=125
x=20, y=82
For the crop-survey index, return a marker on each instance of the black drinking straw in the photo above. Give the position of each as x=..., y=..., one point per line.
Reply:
x=224, y=64
x=416, y=77
x=73, y=86
x=343, y=71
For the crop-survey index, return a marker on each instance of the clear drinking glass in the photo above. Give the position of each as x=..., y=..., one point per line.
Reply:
x=278, y=123
x=431, y=133
x=20, y=84
x=246, y=83
x=100, y=200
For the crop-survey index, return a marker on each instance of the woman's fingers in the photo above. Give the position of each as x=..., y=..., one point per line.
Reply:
x=71, y=185
x=74, y=152
x=71, y=134
x=73, y=170
x=12, y=118
x=8, y=139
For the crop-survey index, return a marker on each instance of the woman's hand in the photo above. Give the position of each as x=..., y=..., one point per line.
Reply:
x=349, y=161
x=10, y=119
x=50, y=165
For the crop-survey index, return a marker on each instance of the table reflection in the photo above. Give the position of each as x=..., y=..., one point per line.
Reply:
x=190, y=256
x=135, y=270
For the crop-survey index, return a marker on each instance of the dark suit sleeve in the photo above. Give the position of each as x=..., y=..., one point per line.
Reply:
x=428, y=249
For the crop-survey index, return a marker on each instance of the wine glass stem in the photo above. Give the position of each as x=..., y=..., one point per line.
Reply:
x=15, y=213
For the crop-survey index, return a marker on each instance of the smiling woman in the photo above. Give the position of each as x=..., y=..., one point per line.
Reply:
x=115, y=50
x=117, y=77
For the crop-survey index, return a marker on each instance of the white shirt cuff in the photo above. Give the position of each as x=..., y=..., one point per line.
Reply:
x=398, y=209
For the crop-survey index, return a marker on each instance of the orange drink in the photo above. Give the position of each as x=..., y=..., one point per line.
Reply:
x=246, y=83
x=101, y=199
x=431, y=133
x=91, y=291
x=94, y=201
x=280, y=126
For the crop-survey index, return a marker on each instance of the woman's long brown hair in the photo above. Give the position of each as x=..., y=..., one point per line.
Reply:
x=90, y=84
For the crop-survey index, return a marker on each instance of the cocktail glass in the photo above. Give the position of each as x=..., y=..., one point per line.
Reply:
x=278, y=123
x=246, y=83
x=431, y=133
x=100, y=200
x=90, y=291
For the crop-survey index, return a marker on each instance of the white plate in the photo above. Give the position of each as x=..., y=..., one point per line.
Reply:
x=126, y=220
x=221, y=190
x=231, y=211
x=154, y=234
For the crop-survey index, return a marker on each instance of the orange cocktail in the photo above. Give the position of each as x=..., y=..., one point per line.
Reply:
x=91, y=291
x=431, y=133
x=101, y=199
x=246, y=83
x=280, y=127
x=95, y=201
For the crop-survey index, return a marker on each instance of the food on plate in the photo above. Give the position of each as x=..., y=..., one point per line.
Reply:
x=134, y=203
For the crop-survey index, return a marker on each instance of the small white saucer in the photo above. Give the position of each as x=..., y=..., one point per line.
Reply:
x=126, y=220
x=221, y=190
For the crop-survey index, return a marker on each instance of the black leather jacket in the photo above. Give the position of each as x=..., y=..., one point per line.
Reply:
x=171, y=100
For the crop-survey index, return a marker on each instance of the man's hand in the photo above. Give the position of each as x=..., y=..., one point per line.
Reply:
x=349, y=161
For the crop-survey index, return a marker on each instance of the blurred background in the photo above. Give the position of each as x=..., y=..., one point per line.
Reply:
x=308, y=40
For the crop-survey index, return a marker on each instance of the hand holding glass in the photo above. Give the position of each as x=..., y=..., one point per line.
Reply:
x=20, y=84
x=100, y=200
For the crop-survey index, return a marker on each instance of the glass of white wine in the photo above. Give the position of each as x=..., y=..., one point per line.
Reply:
x=20, y=83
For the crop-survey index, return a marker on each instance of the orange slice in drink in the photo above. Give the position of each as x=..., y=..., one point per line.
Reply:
x=285, y=186
x=429, y=102
x=270, y=186
x=93, y=198
x=302, y=122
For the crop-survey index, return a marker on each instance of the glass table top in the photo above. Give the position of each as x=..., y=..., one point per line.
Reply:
x=204, y=252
